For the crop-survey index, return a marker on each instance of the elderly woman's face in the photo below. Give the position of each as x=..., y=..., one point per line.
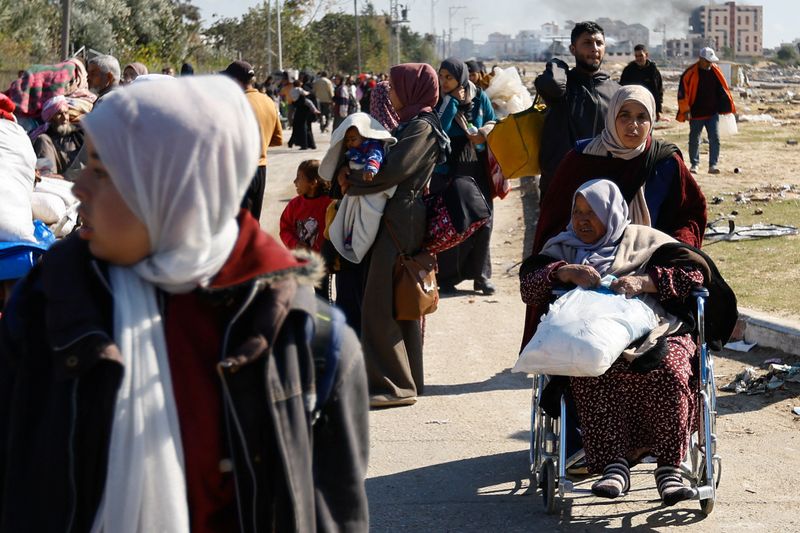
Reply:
x=633, y=124
x=586, y=224
x=114, y=233
x=447, y=82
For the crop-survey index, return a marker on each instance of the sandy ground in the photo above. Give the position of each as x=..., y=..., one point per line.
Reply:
x=458, y=459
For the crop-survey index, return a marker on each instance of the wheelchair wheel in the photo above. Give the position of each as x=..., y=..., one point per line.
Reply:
x=547, y=482
x=707, y=506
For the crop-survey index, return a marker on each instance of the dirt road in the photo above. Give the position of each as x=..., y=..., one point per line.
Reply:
x=458, y=459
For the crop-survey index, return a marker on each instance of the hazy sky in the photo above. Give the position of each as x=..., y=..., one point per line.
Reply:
x=781, y=17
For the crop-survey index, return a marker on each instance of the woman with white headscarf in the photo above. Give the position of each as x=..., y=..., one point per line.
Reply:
x=169, y=341
x=644, y=404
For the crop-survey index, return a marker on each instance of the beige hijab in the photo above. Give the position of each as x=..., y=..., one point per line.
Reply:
x=609, y=142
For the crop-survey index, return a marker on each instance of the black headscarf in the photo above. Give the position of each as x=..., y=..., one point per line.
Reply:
x=473, y=67
x=458, y=69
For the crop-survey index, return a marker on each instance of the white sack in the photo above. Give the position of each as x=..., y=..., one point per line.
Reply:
x=360, y=218
x=584, y=332
x=47, y=207
x=17, y=174
x=507, y=92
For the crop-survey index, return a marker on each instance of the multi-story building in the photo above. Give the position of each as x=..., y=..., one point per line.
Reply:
x=737, y=28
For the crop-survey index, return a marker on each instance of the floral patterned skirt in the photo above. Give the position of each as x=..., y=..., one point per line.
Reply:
x=627, y=415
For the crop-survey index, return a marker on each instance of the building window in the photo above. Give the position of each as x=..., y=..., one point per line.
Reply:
x=747, y=19
x=747, y=38
x=739, y=20
x=716, y=21
x=747, y=48
x=755, y=38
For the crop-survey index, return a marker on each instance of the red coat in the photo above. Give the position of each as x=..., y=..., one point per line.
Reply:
x=303, y=222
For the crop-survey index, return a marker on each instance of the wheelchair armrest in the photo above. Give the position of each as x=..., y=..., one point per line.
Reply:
x=699, y=292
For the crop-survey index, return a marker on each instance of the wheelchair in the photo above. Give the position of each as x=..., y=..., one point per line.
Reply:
x=702, y=467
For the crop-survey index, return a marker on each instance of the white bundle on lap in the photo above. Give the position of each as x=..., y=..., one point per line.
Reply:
x=17, y=173
x=584, y=332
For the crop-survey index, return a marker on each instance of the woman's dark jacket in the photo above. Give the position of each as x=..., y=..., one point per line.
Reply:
x=60, y=371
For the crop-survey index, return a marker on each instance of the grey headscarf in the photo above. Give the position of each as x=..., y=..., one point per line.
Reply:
x=609, y=205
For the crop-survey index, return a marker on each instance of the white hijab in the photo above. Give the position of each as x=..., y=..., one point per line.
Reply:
x=181, y=153
x=607, y=202
x=609, y=141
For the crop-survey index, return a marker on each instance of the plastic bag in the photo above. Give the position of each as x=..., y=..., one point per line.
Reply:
x=584, y=332
x=727, y=125
x=507, y=92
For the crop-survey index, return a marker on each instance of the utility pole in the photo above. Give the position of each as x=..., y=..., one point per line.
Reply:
x=398, y=15
x=358, y=39
x=467, y=20
x=433, y=17
x=66, y=8
x=452, y=10
x=473, y=31
x=280, y=44
x=268, y=7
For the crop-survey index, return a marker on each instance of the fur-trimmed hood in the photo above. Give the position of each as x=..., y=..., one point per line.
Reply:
x=368, y=127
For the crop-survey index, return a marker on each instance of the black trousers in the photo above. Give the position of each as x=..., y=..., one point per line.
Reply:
x=254, y=197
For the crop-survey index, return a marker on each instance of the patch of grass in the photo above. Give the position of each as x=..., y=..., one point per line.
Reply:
x=763, y=273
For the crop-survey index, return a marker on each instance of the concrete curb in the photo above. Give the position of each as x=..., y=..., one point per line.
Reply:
x=769, y=331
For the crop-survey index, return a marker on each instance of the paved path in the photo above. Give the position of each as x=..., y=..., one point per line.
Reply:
x=457, y=460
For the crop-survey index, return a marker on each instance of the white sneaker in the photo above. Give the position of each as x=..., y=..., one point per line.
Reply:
x=694, y=169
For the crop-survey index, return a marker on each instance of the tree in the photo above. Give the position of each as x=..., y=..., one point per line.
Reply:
x=788, y=55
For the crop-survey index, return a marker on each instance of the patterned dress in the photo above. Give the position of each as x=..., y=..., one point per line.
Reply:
x=624, y=414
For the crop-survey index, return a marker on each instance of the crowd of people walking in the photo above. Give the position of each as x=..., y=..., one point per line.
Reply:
x=166, y=365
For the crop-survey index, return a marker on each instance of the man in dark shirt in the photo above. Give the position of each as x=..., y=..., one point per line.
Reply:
x=642, y=71
x=577, y=99
x=703, y=95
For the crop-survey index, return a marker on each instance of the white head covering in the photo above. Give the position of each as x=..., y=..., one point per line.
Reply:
x=367, y=126
x=607, y=202
x=609, y=141
x=181, y=153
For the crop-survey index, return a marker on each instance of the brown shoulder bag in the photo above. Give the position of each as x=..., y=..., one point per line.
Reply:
x=414, y=283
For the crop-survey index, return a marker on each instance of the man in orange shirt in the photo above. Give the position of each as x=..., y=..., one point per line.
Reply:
x=703, y=95
x=271, y=133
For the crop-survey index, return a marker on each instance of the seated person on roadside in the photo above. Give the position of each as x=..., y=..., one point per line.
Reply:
x=644, y=403
x=60, y=139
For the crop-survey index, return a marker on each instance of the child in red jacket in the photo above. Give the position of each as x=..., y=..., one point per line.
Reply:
x=303, y=219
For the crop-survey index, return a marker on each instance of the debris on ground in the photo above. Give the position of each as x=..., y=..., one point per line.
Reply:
x=796, y=410
x=725, y=229
x=753, y=381
x=717, y=200
x=739, y=346
x=757, y=118
x=758, y=212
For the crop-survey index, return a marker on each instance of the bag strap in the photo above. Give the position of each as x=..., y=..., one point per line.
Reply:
x=394, y=237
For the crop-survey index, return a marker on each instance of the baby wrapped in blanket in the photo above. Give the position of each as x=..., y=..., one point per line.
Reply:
x=362, y=141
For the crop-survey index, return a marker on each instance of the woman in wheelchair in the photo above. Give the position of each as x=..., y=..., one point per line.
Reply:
x=644, y=404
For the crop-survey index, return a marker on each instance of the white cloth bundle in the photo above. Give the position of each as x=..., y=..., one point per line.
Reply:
x=357, y=222
x=584, y=332
x=51, y=199
x=17, y=174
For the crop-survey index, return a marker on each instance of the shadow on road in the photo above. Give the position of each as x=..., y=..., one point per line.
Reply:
x=504, y=380
x=493, y=493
